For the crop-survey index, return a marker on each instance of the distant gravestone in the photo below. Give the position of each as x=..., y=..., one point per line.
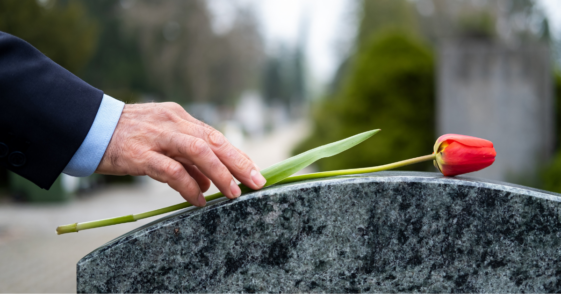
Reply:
x=501, y=93
x=382, y=232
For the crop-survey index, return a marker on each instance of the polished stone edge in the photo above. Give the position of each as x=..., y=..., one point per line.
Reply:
x=386, y=177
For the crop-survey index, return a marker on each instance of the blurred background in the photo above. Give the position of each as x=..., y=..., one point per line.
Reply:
x=279, y=77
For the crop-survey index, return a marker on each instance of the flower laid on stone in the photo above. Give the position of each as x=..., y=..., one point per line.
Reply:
x=459, y=154
x=272, y=174
x=453, y=155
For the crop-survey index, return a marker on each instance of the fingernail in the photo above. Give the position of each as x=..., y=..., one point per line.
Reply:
x=258, y=179
x=202, y=200
x=236, y=192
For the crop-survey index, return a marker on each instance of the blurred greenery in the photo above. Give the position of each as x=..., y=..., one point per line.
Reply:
x=116, y=66
x=388, y=83
x=390, y=86
x=376, y=16
x=62, y=32
x=383, y=14
x=477, y=26
x=283, y=81
x=186, y=59
x=551, y=175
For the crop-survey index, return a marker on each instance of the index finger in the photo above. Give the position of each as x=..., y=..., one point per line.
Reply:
x=239, y=164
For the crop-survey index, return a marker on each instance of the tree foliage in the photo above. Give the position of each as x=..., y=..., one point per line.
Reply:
x=117, y=66
x=282, y=80
x=62, y=32
x=187, y=59
x=374, y=17
x=551, y=174
x=389, y=86
x=383, y=14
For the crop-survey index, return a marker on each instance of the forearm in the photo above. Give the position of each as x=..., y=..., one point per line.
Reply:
x=45, y=114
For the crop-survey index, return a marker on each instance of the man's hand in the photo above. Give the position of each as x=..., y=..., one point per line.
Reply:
x=163, y=141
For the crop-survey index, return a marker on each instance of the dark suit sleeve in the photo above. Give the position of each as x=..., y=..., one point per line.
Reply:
x=45, y=112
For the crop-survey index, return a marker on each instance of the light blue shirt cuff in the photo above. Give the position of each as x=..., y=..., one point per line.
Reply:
x=87, y=158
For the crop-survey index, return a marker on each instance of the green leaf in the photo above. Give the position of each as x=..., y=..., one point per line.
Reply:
x=288, y=167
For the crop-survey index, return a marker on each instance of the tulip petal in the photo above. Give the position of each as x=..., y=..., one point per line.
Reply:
x=466, y=140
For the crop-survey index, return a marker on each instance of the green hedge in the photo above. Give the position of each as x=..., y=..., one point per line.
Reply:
x=390, y=86
x=551, y=175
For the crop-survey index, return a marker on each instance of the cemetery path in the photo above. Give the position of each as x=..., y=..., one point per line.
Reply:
x=34, y=259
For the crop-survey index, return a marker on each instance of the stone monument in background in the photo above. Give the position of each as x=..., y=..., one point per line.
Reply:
x=501, y=93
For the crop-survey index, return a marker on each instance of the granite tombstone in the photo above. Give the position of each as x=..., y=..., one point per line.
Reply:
x=503, y=93
x=382, y=232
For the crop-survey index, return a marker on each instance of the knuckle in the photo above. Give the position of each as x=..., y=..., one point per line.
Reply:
x=221, y=172
x=198, y=147
x=192, y=187
x=241, y=162
x=216, y=138
x=174, y=171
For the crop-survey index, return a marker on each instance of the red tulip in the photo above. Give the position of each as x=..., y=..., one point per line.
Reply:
x=459, y=154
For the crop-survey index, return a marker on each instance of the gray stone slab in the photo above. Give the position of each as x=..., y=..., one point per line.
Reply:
x=382, y=232
x=501, y=93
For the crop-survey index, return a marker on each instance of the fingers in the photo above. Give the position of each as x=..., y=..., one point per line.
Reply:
x=167, y=170
x=202, y=180
x=236, y=161
x=199, y=153
x=247, y=156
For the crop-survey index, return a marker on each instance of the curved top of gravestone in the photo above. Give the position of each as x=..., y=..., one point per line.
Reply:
x=386, y=232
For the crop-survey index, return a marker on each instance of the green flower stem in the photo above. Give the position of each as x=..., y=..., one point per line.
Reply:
x=76, y=227
x=358, y=170
x=73, y=228
x=173, y=207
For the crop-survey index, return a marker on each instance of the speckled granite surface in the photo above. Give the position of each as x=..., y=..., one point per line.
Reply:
x=383, y=232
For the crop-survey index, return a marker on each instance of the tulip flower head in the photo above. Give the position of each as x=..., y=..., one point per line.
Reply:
x=459, y=154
